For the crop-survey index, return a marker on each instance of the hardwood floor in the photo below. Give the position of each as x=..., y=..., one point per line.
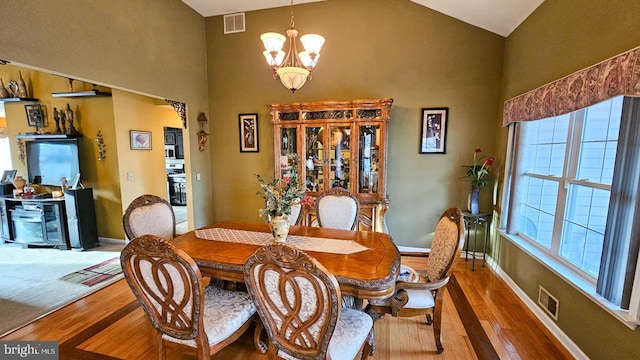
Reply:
x=482, y=319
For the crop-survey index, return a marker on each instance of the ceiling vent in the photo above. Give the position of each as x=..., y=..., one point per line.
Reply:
x=234, y=23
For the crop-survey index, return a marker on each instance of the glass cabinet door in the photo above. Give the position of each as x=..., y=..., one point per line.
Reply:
x=314, y=159
x=288, y=148
x=339, y=156
x=369, y=157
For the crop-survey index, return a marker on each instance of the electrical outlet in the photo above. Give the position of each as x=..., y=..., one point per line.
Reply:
x=130, y=175
x=198, y=177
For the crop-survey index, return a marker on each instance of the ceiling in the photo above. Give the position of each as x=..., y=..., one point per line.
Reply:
x=498, y=16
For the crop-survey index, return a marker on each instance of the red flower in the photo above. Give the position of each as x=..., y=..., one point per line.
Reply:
x=307, y=200
x=489, y=161
x=286, y=180
x=478, y=150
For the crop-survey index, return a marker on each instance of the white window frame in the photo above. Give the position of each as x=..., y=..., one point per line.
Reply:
x=551, y=258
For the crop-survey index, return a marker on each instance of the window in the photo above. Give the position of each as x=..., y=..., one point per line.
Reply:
x=574, y=182
x=566, y=171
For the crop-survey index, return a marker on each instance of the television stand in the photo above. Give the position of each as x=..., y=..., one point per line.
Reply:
x=65, y=223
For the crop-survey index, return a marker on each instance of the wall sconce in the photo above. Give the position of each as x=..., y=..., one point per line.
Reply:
x=20, y=154
x=101, y=151
x=202, y=135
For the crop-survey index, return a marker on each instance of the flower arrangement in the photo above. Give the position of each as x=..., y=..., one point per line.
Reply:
x=479, y=170
x=280, y=195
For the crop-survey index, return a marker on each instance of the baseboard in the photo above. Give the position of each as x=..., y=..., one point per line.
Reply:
x=111, y=240
x=538, y=312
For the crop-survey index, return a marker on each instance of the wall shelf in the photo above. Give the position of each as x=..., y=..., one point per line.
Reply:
x=77, y=94
x=47, y=136
x=15, y=99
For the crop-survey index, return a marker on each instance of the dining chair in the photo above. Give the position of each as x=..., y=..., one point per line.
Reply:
x=296, y=214
x=149, y=214
x=300, y=306
x=186, y=315
x=337, y=208
x=420, y=293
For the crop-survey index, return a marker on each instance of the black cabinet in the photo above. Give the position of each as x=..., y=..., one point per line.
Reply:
x=66, y=222
x=81, y=218
x=173, y=136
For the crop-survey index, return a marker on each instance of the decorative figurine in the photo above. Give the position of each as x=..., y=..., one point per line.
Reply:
x=69, y=114
x=56, y=118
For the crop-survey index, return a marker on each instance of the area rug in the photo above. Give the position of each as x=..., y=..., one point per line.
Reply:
x=30, y=285
x=95, y=274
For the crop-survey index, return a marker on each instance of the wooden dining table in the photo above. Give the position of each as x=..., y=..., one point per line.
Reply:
x=367, y=274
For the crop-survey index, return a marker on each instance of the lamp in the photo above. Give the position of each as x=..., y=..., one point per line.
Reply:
x=293, y=69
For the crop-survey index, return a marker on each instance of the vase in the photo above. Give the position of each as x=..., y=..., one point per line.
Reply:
x=19, y=182
x=474, y=198
x=279, y=228
x=22, y=87
x=4, y=93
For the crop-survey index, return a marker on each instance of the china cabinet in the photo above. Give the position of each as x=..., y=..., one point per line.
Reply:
x=336, y=144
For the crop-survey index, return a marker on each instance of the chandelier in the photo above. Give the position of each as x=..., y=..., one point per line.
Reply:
x=293, y=68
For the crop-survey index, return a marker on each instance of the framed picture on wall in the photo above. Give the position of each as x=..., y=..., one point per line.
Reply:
x=248, y=124
x=433, y=136
x=140, y=140
x=8, y=176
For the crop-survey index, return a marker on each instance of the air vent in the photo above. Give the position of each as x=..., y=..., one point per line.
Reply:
x=548, y=302
x=234, y=23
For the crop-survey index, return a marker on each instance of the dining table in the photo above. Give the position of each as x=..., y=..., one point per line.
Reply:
x=365, y=263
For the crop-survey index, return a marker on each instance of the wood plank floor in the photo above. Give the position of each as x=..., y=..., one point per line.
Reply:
x=482, y=319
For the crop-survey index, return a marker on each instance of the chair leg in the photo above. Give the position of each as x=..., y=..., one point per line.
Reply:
x=162, y=355
x=429, y=319
x=437, y=321
x=258, y=342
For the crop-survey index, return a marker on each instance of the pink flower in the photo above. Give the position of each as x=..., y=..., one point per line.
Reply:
x=307, y=200
x=286, y=180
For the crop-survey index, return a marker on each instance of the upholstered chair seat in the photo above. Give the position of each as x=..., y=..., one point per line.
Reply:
x=149, y=214
x=296, y=212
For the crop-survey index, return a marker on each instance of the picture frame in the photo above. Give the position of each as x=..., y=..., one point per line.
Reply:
x=140, y=140
x=8, y=176
x=35, y=116
x=248, y=128
x=76, y=181
x=433, y=134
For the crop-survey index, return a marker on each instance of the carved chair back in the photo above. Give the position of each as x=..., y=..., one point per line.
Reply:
x=337, y=208
x=166, y=282
x=149, y=214
x=297, y=299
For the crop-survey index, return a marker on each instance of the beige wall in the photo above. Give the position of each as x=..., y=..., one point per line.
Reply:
x=373, y=49
x=114, y=117
x=152, y=47
x=563, y=36
x=136, y=112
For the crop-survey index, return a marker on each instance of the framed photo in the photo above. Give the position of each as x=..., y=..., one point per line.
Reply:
x=8, y=176
x=248, y=132
x=140, y=140
x=433, y=136
x=34, y=115
x=76, y=181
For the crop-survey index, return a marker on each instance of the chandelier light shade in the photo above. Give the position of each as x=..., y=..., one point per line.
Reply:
x=292, y=68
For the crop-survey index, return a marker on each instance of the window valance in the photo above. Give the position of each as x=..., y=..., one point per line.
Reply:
x=619, y=75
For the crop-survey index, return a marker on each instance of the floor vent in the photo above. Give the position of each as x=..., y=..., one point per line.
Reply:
x=234, y=23
x=548, y=302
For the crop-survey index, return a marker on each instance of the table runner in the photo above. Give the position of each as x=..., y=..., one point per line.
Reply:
x=301, y=242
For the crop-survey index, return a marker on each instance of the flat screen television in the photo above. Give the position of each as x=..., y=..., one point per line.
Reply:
x=50, y=160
